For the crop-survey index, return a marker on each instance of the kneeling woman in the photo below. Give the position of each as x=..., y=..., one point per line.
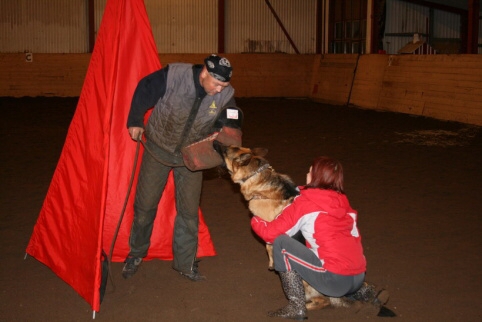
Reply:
x=332, y=260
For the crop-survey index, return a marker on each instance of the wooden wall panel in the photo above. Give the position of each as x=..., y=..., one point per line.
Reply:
x=254, y=75
x=368, y=81
x=447, y=87
x=332, y=78
x=46, y=75
x=261, y=75
x=271, y=75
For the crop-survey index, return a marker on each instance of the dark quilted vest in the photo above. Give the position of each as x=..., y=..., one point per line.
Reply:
x=166, y=124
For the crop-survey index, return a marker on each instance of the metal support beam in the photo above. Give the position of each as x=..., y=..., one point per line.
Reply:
x=473, y=26
x=319, y=26
x=221, y=26
x=91, y=26
x=282, y=26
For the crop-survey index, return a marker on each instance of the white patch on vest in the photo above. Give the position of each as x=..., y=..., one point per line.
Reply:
x=232, y=114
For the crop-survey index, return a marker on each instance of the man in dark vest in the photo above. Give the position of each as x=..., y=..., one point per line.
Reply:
x=190, y=103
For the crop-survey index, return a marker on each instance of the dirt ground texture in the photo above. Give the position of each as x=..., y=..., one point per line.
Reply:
x=415, y=181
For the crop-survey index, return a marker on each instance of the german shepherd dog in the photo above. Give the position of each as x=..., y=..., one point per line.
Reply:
x=267, y=193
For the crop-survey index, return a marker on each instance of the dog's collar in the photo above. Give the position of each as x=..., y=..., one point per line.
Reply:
x=257, y=197
x=260, y=169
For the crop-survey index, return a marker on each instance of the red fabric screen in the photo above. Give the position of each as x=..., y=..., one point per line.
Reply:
x=85, y=198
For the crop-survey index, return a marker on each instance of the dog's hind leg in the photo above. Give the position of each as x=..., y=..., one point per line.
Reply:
x=314, y=299
x=317, y=303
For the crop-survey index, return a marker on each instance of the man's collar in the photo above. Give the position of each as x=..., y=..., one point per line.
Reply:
x=196, y=72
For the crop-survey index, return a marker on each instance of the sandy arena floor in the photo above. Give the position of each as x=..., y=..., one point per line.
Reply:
x=416, y=183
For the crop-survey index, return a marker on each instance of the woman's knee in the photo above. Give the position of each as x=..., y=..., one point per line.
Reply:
x=280, y=244
x=280, y=241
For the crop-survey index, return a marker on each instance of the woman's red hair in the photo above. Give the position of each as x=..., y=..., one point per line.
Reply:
x=326, y=173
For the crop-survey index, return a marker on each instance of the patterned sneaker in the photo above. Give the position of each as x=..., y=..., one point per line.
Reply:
x=131, y=266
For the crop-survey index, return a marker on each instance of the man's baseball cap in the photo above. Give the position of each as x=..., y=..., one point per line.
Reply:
x=219, y=68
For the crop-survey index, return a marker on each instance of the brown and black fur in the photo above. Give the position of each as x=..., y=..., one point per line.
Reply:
x=266, y=191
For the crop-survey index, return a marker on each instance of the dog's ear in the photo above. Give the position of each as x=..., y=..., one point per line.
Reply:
x=244, y=158
x=260, y=152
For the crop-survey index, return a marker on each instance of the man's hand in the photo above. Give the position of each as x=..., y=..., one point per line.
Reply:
x=136, y=132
